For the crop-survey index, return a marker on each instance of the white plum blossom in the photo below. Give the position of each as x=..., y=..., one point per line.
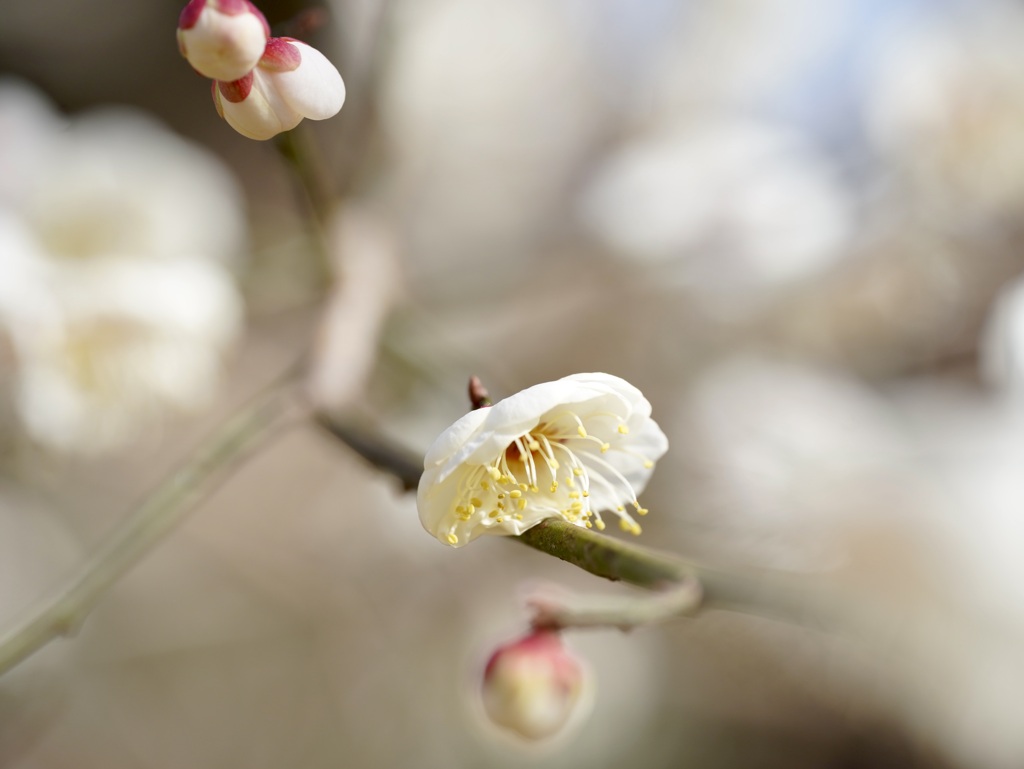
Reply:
x=533, y=686
x=116, y=300
x=292, y=81
x=567, y=449
x=222, y=39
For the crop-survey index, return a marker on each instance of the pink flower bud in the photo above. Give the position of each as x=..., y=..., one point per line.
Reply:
x=533, y=686
x=292, y=81
x=222, y=39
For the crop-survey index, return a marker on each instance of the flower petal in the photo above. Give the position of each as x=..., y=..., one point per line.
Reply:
x=314, y=89
x=572, y=449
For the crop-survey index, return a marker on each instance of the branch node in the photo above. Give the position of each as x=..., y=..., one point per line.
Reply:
x=478, y=396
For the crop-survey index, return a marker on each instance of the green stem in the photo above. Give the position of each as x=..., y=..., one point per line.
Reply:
x=315, y=192
x=63, y=613
x=778, y=595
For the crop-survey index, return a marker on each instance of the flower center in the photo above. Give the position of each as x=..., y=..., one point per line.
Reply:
x=549, y=472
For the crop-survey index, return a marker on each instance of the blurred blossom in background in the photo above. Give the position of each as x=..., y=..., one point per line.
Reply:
x=794, y=225
x=117, y=298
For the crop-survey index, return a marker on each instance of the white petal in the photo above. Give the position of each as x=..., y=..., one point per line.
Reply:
x=596, y=436
x=315, y=89
x=452, y=439
x=224, y=47
x=262, y=114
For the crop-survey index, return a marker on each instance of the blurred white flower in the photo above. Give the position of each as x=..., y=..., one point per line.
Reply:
x=533, y=686
x=729, y=207
x=115, y=295
x=566, y=449
x=787, y=458
x=222, y=39
x=28, y=126
x=1002, y=343
x=128, y=339
x=973, y=452
x=945, y=105
x=292, y=81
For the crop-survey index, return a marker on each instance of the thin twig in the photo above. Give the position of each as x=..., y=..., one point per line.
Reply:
x=554, y=609
x=315, y=194
x=63, y=613
x=384, y=456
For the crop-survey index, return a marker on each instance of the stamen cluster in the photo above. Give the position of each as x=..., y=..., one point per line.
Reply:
x=569, y=449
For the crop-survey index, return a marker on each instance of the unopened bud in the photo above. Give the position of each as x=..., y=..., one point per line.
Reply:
x=222, y=39
x=292, y=81
x=533, y=686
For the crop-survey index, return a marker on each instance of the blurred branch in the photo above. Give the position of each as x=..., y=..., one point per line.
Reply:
x=382, y=455
x=316, y=194
x=686, y=586
x=63, y=613
x=315, y=187
x=553, y=609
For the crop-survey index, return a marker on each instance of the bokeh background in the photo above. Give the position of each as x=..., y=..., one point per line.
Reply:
x=795, y=225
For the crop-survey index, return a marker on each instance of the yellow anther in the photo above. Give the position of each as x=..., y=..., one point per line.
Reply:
x=577, y=471
x=648, y=464
x=589, y=525
x=501, y=496
x=452, y=539
x=574, y=495
x=605, y=447
x=521, y=504
x=623, y=429
x=515, y=494
x=582, y=431
x=554, y=487
x=534, y=489
x=460, y=509
x=524, y=487
x=533, y=446
x=600, y=525
x=485, y=485
x=518, y=516
x=493, y=514
x=586, y=493
x=499, y=520
x=494, y=472
x=504, y=479
x=576, y=506
x=642, y=511
x=621, y=509
x=570, y=482
x=501, y=505
x=625, y=525
x=476, y=501
x=470, y=509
